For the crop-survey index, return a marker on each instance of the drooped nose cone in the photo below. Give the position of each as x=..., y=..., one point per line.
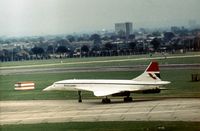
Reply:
x=168, y=82
x=49, y=88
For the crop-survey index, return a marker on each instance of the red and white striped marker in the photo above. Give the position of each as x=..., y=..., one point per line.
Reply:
x=27, y=85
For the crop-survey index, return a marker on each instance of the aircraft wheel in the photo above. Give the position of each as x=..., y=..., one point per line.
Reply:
x=106, y=101
x=128, y=99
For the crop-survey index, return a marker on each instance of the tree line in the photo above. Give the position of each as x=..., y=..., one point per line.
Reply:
x=65, y=48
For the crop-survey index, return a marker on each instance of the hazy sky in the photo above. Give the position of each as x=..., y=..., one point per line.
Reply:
x=41, y=17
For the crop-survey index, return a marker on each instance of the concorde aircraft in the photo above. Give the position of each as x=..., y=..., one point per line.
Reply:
x=147, y=82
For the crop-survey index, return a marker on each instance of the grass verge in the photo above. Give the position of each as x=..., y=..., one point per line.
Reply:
x=102, y=61
x=181, y=85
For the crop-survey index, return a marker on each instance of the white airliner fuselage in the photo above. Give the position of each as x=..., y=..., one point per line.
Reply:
x=98, y=86
x=148, y=81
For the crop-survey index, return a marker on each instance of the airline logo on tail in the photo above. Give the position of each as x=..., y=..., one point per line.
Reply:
x=152, y=69
x=152, y=73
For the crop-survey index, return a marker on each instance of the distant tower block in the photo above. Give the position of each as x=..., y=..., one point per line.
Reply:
x=124, y=29
x=26, y=85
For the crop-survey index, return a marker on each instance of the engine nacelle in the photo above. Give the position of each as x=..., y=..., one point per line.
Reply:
x=151, y=91
x=126, y=93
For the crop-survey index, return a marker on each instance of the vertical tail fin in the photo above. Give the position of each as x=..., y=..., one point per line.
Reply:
x=152, y=73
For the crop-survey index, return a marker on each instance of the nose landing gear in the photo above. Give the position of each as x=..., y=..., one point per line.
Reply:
x=79, y=97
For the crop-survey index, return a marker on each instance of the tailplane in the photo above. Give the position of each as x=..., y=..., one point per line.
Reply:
x=152, y=73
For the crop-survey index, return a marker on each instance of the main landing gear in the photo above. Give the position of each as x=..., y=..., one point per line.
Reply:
x=128, y=98
x=106, y=100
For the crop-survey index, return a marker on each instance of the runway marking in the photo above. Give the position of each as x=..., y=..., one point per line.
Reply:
x=100, y=61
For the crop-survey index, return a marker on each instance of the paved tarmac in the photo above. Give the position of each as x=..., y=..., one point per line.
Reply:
x=51, y=111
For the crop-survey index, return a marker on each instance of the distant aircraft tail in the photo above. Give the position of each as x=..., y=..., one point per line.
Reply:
x=152, y=73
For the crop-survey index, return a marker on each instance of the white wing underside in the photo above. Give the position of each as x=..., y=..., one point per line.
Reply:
x=106, y=93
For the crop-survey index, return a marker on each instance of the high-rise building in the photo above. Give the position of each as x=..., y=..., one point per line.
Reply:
x=124, y=29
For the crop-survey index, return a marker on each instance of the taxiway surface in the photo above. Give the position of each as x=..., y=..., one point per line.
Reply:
x=51, y=111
